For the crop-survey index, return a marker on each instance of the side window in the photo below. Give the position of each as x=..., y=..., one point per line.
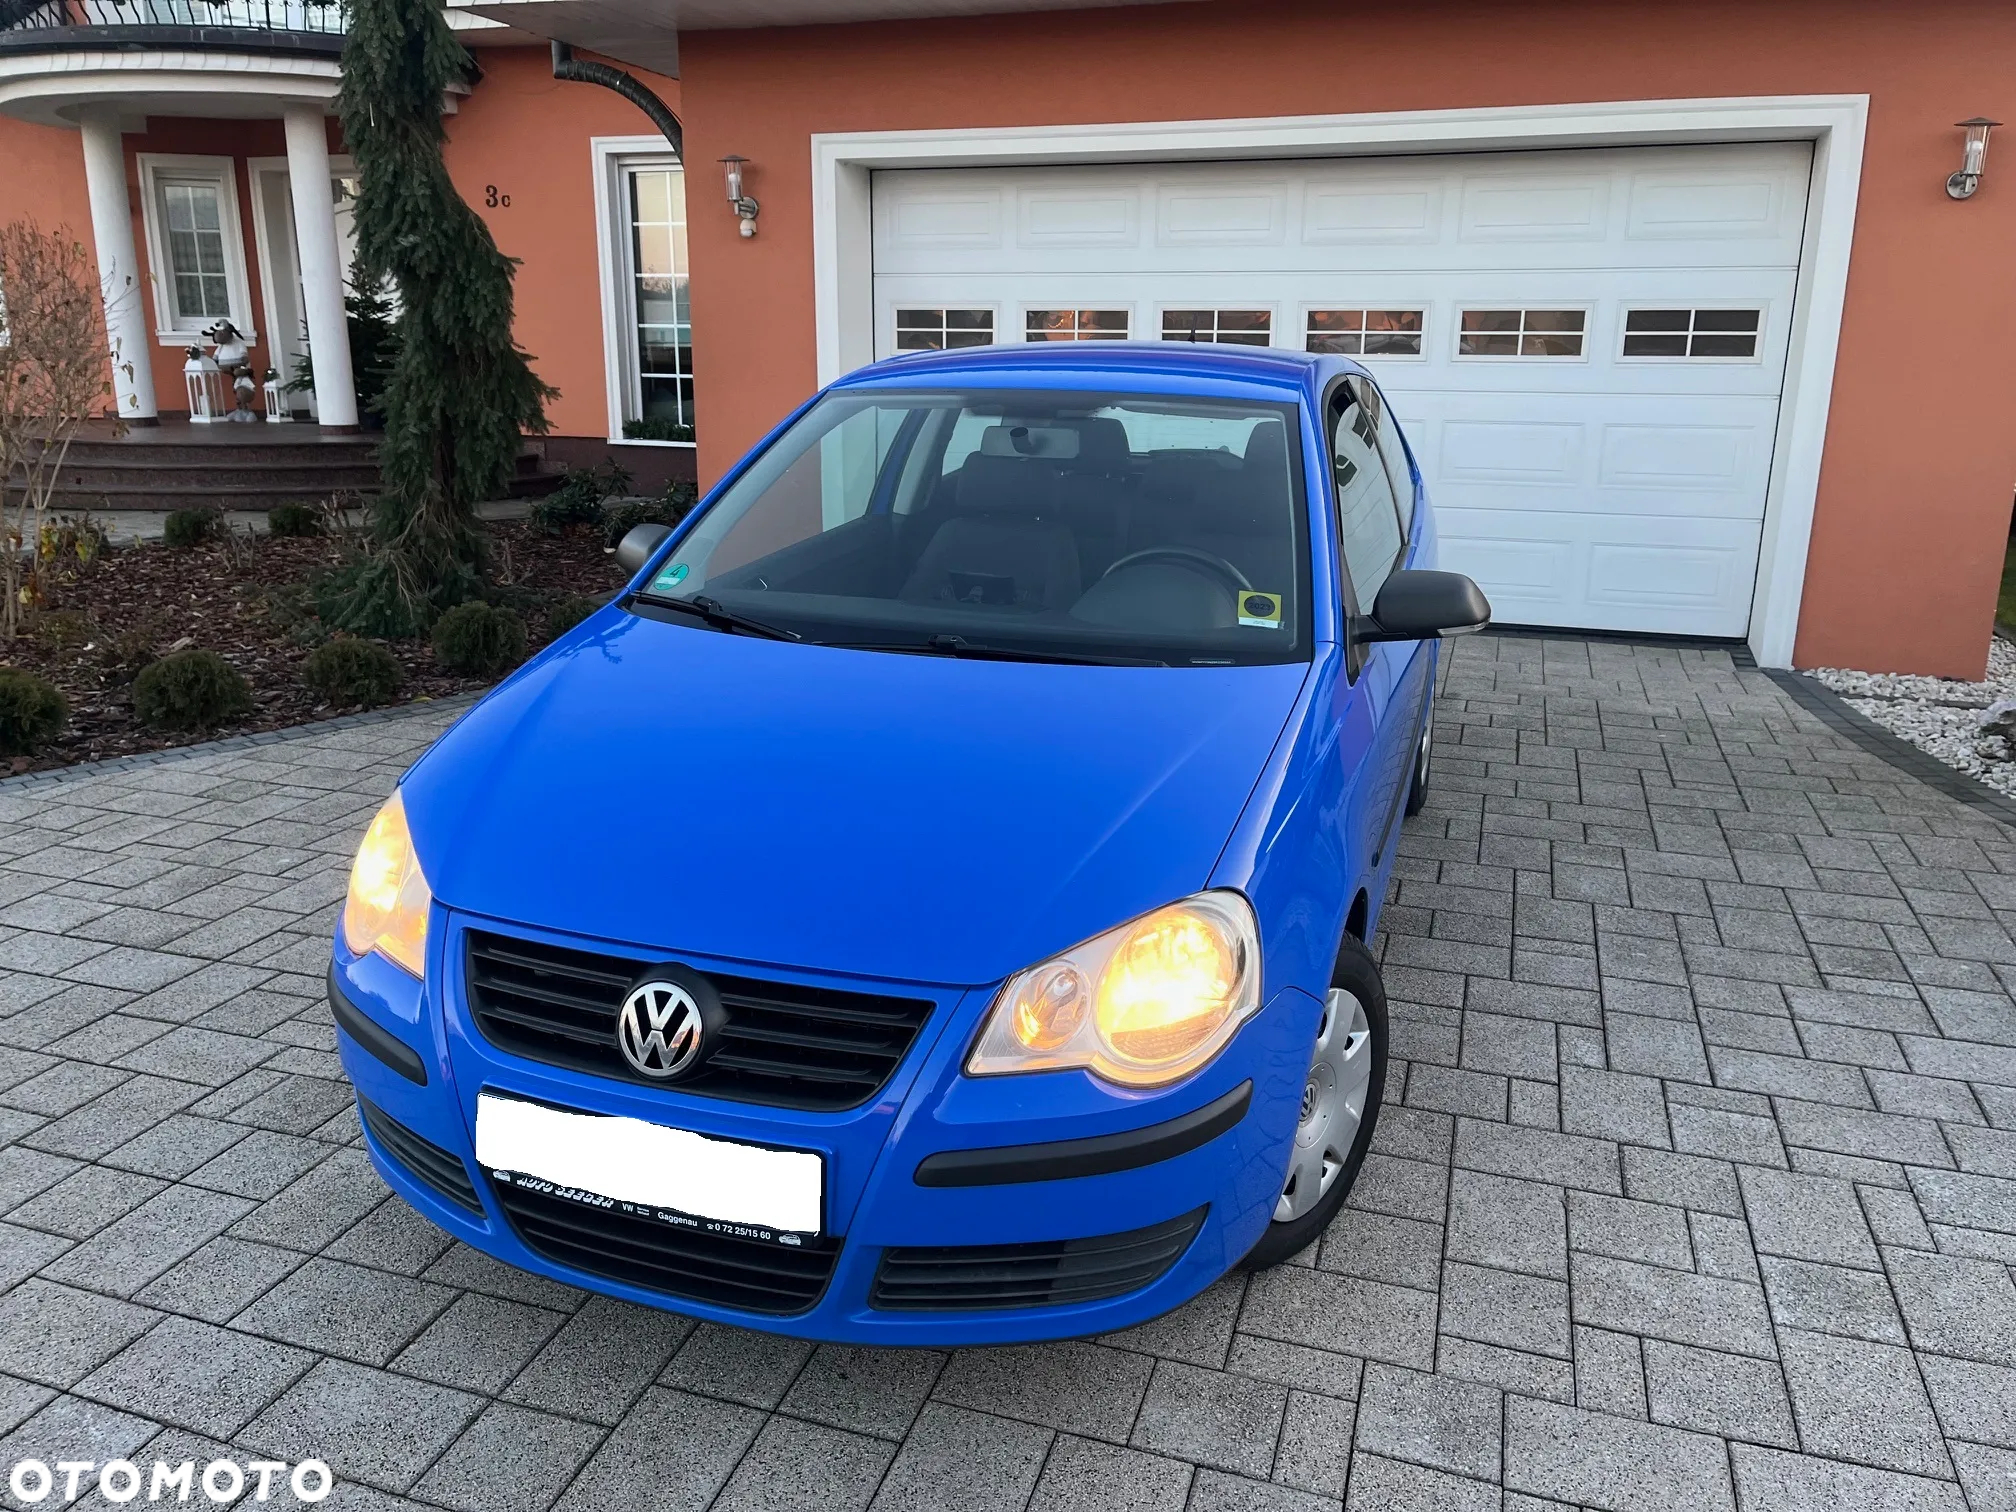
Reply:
x=1367, y=524
x=1391, y=450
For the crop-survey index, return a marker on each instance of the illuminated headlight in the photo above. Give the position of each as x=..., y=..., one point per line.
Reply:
x=1141, y=1005
x=388, y=903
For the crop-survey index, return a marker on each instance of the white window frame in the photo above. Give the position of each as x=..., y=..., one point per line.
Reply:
x=1133, y=320
x=991, y=306
x=1624, y=330
x=1524, y=307
x=223, y=172
x=1424, y=309
x=608, y=158
x=1272, y=311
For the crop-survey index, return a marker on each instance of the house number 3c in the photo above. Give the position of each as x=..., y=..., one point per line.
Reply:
x=495, y=200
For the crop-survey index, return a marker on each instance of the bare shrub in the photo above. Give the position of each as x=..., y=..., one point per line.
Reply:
x=55, y=370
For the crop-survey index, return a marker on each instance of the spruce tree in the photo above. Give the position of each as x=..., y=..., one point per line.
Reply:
x=460, y=391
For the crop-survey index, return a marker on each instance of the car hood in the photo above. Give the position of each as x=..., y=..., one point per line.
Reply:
x=914, y=818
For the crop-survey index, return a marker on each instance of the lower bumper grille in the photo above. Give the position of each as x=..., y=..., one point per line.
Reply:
x=442, y=1170
x=747, y=1274
x=1030, y=1275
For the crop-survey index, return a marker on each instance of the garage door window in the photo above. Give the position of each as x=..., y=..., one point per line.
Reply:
x=1726, y=334
x=1075, y=325
x=938, y=330
x=1365, y=333
x=1522, y=333
x=1233, y=327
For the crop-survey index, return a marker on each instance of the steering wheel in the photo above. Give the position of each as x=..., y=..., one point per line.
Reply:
x=1185, y=556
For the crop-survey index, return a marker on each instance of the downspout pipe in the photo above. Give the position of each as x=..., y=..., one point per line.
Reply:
x=571, y=69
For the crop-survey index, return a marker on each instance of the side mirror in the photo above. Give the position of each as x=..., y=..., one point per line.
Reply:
x=1422, y=605
x=636, y=548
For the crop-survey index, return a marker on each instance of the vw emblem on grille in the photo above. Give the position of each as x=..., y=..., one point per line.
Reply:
x=659, y=1029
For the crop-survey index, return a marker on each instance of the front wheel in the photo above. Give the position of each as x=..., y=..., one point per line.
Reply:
x=1340, y=1105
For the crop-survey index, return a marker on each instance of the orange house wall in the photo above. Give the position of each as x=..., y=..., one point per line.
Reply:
x=528, y=134
x=1914, y=501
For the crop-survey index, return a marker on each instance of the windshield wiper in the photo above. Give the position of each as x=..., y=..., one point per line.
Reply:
x=713, y=612
x=958, y=645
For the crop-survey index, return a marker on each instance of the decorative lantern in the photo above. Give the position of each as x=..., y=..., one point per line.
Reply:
x=744, y=205
x=1973, y=157
x=277, y=412
x=205, y=384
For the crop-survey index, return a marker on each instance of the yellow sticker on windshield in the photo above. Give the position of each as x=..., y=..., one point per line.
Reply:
x=1260, y=610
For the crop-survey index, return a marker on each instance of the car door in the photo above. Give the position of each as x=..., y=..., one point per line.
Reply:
x=1413, y=662
x=1371, y=542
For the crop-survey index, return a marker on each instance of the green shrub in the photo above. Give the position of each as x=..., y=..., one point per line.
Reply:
x=478, y=640
x=350, y=671
x=294, y=520
x=578, y=499
x=190, y=690
x=31, y=712
x=191, y=527
x=563, y=614
x=668, y=508
x=656, y=428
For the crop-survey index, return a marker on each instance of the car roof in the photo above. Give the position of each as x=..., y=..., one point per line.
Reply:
x=1083, y=363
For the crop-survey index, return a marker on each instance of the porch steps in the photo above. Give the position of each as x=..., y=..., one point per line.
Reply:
x=180, y=471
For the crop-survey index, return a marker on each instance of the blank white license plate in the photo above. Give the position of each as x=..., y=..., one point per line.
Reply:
x=672, y=1173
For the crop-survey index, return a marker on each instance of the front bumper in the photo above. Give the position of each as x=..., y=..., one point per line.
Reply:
x=995, y=1168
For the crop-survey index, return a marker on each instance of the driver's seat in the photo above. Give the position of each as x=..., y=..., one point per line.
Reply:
x=1003, y=547
x=1243, y=516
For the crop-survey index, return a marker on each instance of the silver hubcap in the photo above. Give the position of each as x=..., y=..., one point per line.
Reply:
x=1333, y=1105
x=1427, y=750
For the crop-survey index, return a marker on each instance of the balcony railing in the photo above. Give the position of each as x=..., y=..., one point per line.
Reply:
x=296, y=17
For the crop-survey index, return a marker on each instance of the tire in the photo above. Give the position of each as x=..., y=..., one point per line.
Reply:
x=1357, y=990
x=1417, y=788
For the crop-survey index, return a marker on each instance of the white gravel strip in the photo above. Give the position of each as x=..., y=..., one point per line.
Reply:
x=1939, y=715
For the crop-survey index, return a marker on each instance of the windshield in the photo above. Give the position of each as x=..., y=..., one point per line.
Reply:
x=1086, y=526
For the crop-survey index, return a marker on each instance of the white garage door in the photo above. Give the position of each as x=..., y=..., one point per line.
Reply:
x=1586, y=348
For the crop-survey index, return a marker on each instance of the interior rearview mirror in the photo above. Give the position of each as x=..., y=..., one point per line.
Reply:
x=1422, y=605
x=636, y=547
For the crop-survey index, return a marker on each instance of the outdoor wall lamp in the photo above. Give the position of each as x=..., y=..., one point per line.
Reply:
x=1963, y=184
x=745, y=207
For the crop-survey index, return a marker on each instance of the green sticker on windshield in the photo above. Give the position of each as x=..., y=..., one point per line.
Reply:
x=672, y=577
x=1261, y=611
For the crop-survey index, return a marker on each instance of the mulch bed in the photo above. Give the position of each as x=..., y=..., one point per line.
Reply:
x=247, y=600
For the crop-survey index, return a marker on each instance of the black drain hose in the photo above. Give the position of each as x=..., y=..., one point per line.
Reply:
x=567, y=67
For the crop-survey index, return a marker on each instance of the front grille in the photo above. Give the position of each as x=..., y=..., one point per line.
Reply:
x=747, y=1274
x=1030, y=1275
x=440, y=1169
x=785, y=1045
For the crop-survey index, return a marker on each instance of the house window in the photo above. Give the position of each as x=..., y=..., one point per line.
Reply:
x=1691, y=333
x=661, y=313
x=1521, y=333
x=1365, y=333
x=939, y=330
x=192, y=218
x=195, y=246
x=1233, y=327
x=1075, y=325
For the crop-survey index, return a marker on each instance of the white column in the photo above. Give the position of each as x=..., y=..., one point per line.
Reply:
x=321, y=271
x=118, y=265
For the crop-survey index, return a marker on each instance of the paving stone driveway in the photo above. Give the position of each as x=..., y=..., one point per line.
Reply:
x=1696, y=1186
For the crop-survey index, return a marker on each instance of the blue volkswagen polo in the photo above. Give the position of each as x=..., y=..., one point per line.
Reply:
x=929, y=904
